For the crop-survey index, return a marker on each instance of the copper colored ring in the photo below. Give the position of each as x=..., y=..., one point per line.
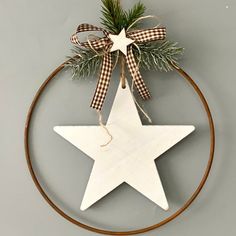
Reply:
x=133, y=232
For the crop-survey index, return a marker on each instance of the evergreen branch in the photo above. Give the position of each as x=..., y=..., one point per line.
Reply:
x=133, y=14
x=153, y=56
x=158, y=56
x=84, y=62
x=113, y=16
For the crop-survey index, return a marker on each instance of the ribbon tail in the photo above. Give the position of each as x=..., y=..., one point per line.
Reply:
x=103, y=82
x=136, y=75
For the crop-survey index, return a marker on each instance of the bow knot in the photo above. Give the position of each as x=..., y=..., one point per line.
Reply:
x=105, y=44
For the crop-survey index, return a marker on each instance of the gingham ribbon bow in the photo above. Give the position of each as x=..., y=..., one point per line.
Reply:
x=139, y=36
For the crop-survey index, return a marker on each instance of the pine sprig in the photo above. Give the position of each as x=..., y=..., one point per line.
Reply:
x=84, y=63
x=114, y=18
x=159, y=56
x=134, y=14
x=154, y=56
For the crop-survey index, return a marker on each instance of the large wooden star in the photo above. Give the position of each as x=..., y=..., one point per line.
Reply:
x=129, y=157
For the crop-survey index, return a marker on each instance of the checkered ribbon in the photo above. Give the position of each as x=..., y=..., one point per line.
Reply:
x=104, y=43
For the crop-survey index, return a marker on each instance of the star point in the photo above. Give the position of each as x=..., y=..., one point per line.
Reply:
x=120, y=42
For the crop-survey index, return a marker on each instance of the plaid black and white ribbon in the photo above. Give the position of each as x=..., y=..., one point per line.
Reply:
x=104, y=43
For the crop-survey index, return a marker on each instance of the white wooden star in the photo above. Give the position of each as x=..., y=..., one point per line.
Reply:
x=120, y=42
x=129, y=157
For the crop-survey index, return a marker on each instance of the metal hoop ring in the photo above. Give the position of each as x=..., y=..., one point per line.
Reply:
x=138, y=231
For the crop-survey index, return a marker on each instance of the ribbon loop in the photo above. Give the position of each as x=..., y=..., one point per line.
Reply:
x=87, y=27
x=95, y=44
x=144, y=36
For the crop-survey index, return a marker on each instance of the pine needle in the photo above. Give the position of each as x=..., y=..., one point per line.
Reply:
x=114, y=18
x=159, y=55
x=84, y=63
x=133, y=14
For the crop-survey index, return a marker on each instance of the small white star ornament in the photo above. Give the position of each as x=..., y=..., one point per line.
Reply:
x=129, y=158
x=120, y=42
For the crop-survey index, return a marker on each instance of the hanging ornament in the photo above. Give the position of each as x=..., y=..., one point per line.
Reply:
x=123, y=149
x=130, y=155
